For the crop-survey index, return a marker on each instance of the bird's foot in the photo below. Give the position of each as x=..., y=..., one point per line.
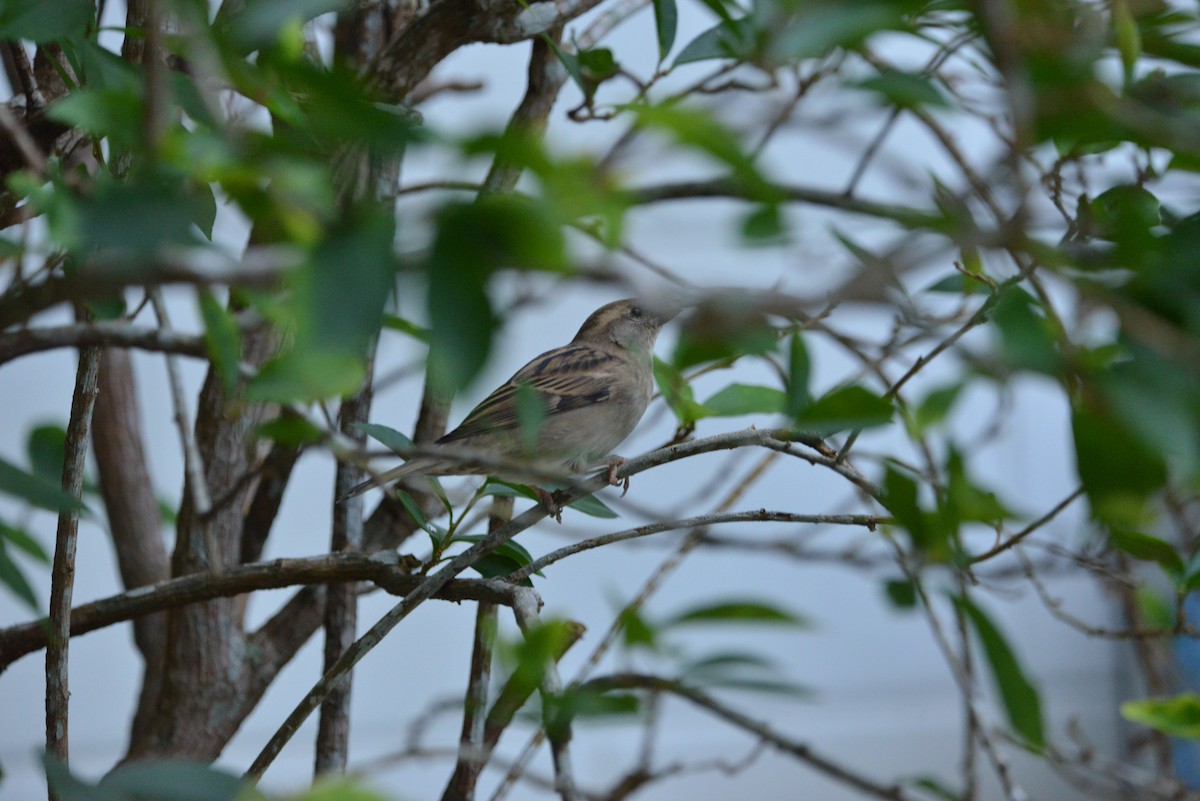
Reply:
x=551, y=502
x=615, y=462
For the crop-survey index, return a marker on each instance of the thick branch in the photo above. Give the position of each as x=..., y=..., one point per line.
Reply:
x=106, y=333
x=134, y=519
x=381, y=569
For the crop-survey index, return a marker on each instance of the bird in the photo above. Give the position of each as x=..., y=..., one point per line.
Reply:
x=567, y=409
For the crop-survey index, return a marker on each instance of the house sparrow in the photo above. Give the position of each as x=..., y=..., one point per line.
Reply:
x=593, y=391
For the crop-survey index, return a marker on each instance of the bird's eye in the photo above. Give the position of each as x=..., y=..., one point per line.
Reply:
x=635, y=313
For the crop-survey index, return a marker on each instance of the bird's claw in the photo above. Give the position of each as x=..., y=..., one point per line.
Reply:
x=551, y=503
x=614, y=480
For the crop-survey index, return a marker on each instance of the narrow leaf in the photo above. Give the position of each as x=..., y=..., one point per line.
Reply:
x=1178, y=716
x=36, y=490
x=1020, y=697
x=739, y=399
x=666, y=19
x=739, y=612
x=388, y=437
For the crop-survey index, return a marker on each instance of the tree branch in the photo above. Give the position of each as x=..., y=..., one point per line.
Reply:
x=383, y=570
x=134, y=519
x=113, y=334
x=62, y=577
x=341, y=601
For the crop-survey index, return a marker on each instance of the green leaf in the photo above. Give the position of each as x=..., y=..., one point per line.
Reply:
x=700, y=131
x=637, y=631
x=295, y=376
x=1125, y=211
x=137, y=218
x=472, y=241
x=1116, y=468
x=1020, y=697
x=901, y=593
x=12, y=577
x=36, y=490
x=841, y=409
x=677, y=393
x=46, y=447
x=588, y=702
x=934, y=407
x=338, y=790
x=904, y=89
x=900, y=497
x=799, y=373
x=291, y=430
x=336, y=307
x=739, y=399
x=1150, y=549
x=340, y=292
x=666, y=19
x=593, y=507
x=1027, y=343
x=222, y=339
x=722, y=332
x=1157, y=613
x=173, y=780
x=735, y=39
x=1127, y=35
x=1178, y=716
x=44, y=21
x=821, y=27
x=737, y=611
x=764, y=225
x=25, y=542
x=404, y=326
x=965, y=502
x=597, y=64
x=508, y=557
x=739, y=671
x=388, y=437
x=936, y=788
x=102, y=112
x=259, y=23
x=66, y=787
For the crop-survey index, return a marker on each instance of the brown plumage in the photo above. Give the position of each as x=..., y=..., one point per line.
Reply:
x=592, y=393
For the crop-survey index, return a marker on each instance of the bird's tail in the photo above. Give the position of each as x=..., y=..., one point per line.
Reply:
x=382, y=480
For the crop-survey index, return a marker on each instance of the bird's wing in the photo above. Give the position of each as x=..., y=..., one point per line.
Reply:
x=571, y=377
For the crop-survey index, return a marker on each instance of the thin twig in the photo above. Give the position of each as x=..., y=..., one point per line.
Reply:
x=193, y=465
x=341, y=601
x=1016, y=539
x=62, y=577
x=755, y=515
x=556, y=724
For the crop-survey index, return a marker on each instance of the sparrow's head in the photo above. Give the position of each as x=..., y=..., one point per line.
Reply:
x=632, y=324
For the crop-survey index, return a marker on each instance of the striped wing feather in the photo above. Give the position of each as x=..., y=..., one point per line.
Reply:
x=571, y=377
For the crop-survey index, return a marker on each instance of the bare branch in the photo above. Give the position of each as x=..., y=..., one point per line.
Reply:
x=756, y=515
x=62, y=577
x=113, y=334
x=341, y=602
x=383, y=570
